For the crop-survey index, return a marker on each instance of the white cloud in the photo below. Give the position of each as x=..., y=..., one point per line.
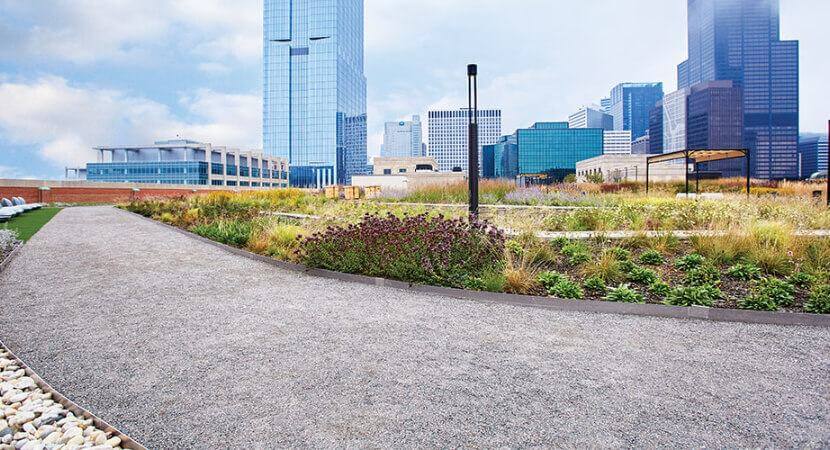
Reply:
x=65, y=122
x=88, y=31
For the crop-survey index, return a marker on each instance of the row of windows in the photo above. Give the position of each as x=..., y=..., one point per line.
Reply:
x=256, y=184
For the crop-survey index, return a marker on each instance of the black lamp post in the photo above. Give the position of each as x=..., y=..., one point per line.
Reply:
x=472, y=120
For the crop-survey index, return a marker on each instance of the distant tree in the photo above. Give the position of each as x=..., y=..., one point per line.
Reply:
x=570, y=178
x=595, y=178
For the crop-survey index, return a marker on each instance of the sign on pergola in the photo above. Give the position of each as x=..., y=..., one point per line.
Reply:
x=700, y=156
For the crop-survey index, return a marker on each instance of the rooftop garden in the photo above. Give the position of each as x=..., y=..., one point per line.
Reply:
x=754, y=253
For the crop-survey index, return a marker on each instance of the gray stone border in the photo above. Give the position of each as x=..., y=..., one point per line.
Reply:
x=126, y=441
x=588, y=306
x=8, y=260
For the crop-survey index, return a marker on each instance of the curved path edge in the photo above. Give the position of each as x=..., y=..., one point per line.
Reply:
x=588, y=306
x=126, y=441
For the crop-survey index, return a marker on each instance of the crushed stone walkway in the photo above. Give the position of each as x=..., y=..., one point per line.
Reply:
x=183, y=345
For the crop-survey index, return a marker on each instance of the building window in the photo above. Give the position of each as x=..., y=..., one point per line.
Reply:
x=387, y=171
x=401, y=170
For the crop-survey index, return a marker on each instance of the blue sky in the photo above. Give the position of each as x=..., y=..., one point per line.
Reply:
x=80, y=73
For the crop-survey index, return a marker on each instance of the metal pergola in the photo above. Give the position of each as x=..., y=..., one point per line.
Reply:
x=699, y=156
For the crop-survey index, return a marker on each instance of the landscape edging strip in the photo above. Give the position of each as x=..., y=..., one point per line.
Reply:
x=126, y=441
x=586, y=306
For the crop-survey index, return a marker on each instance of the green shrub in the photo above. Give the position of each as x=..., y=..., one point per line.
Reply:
x=706, y=274
x=819, y=301
x=230, y=232
x=758, y=303
x=474, y=284
x=659, y=288
x=802, y=280
x=494, y=281
x=514, y=247
x=693, y=296
x=652, y=258
x=595, y=284
x=778, y=291
x=577, y=253
x=559, y=242
x=567, y=289
x=558, y=285
x=642, y=275
x=550, y=279
x=744, y=271
x=621, y=254
x=624, y=294
x=690, y=262
x=626, y=266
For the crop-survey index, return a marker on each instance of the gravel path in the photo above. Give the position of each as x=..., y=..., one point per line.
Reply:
x=180, y=344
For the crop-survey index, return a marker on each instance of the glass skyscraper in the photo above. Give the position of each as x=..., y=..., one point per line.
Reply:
x=631, y=104
x=314, y=111
x=739, y=40
x=552, y=149
x=813, y=151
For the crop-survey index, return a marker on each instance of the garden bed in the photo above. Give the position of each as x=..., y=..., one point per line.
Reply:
x=762, y=265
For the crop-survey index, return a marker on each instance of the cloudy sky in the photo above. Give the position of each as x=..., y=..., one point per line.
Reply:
x=80, y=73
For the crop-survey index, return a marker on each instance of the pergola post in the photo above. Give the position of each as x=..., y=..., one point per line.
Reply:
x=697, y=178
x=686, y=170
x=748, y=176
x=648, y=164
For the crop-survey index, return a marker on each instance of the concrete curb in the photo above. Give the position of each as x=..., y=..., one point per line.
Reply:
x=587, y=306
x=126, y=441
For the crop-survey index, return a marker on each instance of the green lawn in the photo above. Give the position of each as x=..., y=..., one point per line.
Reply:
x=30, y=223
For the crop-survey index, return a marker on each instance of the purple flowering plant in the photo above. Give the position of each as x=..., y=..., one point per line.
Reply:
x=416, y=249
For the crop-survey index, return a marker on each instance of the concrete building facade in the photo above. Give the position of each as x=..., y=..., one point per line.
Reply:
x=616, y=142
x=627, y=168
x=185, y=162
x=591, y=117
x=403, y=139
x=448, y=136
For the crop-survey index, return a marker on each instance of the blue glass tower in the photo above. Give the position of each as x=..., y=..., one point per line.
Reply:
x=314, y=111
x=631, y=104
x=739, y=40
x=552, y=149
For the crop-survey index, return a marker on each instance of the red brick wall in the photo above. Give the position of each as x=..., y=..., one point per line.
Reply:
x=88, y=194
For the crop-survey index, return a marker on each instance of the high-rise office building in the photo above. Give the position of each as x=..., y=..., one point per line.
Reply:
x=616, y=142
x=655, y=129
x=631, y=104
x=314, y=90
x=505, y=157
x=812, y=151
x=591, y=117
x=606, y=105
x=449, y=135
x=550, y=150
x=403, y=139
x=674, y=121
x=739, y=40
x=715, y=120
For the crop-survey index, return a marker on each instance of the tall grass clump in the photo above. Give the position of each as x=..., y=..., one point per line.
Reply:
x=231, y=232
